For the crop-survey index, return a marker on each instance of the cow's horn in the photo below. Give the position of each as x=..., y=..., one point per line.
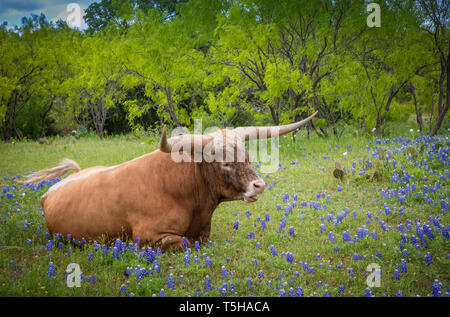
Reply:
x=163, y=145
x=267, y=132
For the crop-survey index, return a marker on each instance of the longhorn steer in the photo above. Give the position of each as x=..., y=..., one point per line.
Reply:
x=153, y=197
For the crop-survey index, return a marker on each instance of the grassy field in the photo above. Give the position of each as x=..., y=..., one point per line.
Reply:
x=309, y=234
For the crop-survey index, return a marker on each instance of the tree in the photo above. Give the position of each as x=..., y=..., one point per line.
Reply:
x=20, y=66
x=383, y=62
x=165, y=60
x=436, y=22
x=120, y=14
x=99, y=80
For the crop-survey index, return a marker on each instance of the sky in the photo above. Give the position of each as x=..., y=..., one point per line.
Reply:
x=12, y=11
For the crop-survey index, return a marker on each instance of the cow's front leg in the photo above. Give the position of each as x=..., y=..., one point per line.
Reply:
x=171, y=243
x=203, y=235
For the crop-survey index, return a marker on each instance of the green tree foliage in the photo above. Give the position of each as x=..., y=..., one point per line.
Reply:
x=141, y=64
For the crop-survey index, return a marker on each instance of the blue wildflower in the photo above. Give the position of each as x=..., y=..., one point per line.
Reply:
x=51, y=270
x=273, y=250
x=428, y=259
x=171, y=282
x=208, y=261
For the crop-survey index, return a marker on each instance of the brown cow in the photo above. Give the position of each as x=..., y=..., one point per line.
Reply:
x=153, y=197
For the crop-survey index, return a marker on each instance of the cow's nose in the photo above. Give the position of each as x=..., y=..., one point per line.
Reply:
x=258, y=186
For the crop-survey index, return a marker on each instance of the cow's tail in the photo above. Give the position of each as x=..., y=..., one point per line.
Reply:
x=59, y=170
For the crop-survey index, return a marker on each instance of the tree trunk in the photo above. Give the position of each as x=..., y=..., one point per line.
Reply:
x=170, y=107
x=274, y=113
x=43, y=116
x=442, y=109
x=418, y=108
x=98, y=112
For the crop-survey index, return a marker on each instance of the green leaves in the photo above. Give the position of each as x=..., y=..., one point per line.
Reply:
x=228, y=62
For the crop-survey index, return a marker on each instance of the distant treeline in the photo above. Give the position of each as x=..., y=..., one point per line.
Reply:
x=140, y=64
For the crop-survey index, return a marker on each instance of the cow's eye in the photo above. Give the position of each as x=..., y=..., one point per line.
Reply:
x=227, y=166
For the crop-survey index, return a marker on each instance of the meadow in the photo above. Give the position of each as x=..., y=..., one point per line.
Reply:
x=313, y=232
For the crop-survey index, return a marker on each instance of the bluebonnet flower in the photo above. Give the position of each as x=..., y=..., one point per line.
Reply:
x=299, y=290
x=115, y=253
x=346, y=236
x=187, y=258
x=231, y=287
x=273, y=250
x=374, y=234
x=291, y=231
x=197, y=246
x=249, y=283
x=90, y=256
x=396, y=274
x=236, y=225
x=292, y=292
x=185, y=242
x=322, y=228
x=208, y=261
x=368, y=293
x=51, y=270
x=171, y=282
x=282, y=293
x=428, y=259
x=247, y=213
x=162, y=292
x=289, y=257
x=104, y=250
x=341, y=289
x=282, y=224
x=351, y=272
x=207, y=284
x=405, y=253
x=260, y=274
x=263, y=225
x=258, y=245
x=156, y=267
x=403, y=266
x=436, y=289
x=224, y=272
x=331, y=237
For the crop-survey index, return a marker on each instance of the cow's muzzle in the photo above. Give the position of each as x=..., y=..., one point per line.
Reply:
x=256, y=187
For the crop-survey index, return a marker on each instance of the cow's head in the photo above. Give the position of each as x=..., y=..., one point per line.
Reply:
x=224, y=154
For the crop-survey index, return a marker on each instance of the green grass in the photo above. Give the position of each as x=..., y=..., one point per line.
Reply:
x=313, y=174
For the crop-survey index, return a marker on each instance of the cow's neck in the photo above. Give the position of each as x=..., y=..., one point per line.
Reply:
x=210, y=192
